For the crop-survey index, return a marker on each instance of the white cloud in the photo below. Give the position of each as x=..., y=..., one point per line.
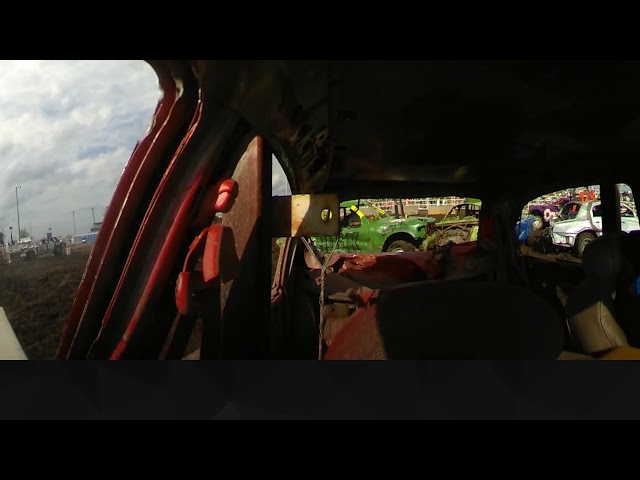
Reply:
x=279, y=183
x=67, y=129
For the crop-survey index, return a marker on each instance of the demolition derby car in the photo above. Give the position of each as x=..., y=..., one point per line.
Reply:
x=377, y=231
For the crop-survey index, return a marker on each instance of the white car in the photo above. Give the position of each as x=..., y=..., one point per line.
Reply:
x=578, y=224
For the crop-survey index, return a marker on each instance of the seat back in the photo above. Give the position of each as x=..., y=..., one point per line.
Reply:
x=628, y=295
x=457, y=320
x=591, y=305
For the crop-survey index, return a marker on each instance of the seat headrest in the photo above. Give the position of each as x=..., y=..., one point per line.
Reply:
x=607, y=257
x=467, y=320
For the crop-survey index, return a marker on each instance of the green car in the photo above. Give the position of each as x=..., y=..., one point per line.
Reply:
x=460, y=225
x=365, y=228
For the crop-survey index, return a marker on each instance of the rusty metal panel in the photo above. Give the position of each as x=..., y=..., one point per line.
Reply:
x=305, y=215
x=177, y=109
x=245, y=297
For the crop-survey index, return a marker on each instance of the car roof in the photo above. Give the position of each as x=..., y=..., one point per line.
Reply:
x=469, y=128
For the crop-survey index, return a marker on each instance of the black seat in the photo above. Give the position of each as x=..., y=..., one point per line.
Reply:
x=457, y=320
x=628, y=295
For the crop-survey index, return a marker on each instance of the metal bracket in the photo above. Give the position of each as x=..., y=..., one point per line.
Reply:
x=305, y=216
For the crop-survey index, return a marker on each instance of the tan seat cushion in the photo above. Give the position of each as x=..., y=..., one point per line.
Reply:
x=624, y=352
x=574, y=356
x=595, y=329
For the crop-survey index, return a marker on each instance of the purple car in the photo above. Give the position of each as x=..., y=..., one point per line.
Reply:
x=545, y=211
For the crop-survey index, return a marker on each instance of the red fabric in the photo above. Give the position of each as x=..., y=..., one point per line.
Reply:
x=380, y=270
x=359, y=339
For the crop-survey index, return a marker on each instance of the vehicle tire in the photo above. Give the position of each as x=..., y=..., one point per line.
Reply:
x=30, y=255
x=401, y=246
x=538, y=223
x=582, y=241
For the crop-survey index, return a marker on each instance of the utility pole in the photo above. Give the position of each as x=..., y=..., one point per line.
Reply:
x=75, y=234
x=18, y=210
x=30, y=230
x=93, y=215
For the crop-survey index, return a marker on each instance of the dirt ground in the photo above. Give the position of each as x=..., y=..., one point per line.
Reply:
x=550, y=257
x=37, y=297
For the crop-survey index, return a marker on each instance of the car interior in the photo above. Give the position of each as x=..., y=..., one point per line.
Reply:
x=183, y=265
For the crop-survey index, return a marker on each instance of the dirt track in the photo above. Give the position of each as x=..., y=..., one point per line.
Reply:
x=557, y=255
x=37, y=297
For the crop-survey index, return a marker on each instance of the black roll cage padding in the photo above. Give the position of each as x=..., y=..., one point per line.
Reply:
x=610, y=202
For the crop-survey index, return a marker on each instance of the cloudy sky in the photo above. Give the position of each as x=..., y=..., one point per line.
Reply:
x=67, y=129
